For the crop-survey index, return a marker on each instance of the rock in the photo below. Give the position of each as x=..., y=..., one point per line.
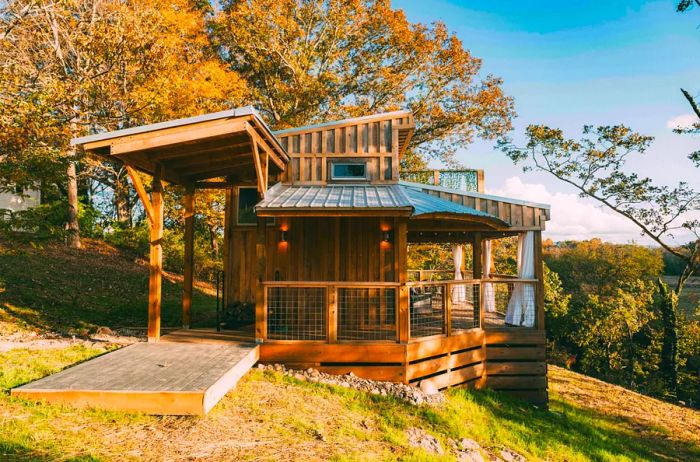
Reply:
x=469, y=455
x=261, y=367
x=428, y=387
x=419, y=438
x=468, y=443
x=299, y=377
x=508, y=455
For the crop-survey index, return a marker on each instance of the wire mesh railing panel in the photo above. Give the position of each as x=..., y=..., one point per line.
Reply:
x=366, y=313
x=427, y=310
x=296, y=313
x=465, y=301
x=509, y=304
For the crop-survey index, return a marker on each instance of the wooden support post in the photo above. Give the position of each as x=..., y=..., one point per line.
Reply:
x=477, y=256
x=260, y=296
x=188, y=269
x=332, y=316
x=539, y=275
x=478, y=273
x=447, y=301
x=155, y=279
x=401, y=245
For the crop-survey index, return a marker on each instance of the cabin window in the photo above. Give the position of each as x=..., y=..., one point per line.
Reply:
x=247, y=198
x=349, y=171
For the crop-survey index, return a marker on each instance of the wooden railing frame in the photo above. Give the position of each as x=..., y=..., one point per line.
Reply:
x=332, y=306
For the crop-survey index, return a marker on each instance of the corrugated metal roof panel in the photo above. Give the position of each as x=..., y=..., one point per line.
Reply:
x=425, y=203
x=360, y=196
x=335, y=197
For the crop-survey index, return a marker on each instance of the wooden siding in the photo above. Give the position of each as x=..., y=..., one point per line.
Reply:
x=379, y=142
x=316, y=249
x=445, y=361
x=516, y=363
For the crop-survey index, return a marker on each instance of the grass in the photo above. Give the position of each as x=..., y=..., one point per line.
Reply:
x=273, y=417
x=76, y=292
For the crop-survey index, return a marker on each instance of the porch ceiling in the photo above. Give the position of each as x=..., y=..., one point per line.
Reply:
x=234, y=144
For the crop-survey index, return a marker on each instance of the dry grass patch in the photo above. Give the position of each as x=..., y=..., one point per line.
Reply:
x=646, y=415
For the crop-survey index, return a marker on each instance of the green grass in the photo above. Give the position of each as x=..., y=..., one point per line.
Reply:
x=272, y=417
x=55, y=289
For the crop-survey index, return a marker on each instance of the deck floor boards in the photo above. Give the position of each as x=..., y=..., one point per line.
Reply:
x=172, y=370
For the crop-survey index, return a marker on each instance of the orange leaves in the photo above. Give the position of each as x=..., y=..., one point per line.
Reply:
x=313, y=60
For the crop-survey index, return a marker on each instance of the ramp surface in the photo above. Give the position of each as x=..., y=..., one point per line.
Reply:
x=154, y=378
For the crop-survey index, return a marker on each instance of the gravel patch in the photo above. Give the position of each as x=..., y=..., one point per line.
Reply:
x=411, y=394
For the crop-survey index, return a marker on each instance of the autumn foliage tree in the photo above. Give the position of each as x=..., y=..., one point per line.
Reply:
x=74, y=67
x=312, y=60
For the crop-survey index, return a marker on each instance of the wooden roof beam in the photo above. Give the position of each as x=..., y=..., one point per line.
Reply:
x=176, y=135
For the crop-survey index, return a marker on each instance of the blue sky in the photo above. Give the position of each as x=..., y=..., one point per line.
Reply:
x=570, y=63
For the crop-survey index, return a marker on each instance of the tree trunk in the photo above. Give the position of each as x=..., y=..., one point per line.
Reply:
x=121, y=198
x=668, y=305
x=73, y=224
x=213, y=239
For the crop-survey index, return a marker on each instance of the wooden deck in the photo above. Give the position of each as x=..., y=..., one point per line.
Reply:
x=174, y=376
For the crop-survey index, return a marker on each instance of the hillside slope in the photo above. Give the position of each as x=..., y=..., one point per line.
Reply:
x=50, y=289
x=272, y=417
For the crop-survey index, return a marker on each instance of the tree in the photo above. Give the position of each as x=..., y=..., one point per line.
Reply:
x=311, y=60
x=686, y=5
x=595, y=166
x=74, y=67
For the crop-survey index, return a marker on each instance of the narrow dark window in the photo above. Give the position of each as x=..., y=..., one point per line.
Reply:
x=247, y=198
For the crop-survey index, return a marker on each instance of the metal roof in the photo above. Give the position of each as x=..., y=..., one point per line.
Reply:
x=425, y=203
x=329, y=197
x=354, y=120
x=281, y=198
x=237, y=112
x=473, y=194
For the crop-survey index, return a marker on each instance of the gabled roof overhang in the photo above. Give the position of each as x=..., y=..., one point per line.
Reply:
x=234, y=144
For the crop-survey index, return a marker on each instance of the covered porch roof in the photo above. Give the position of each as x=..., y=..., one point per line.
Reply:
x=234, y=144
x=367, y=199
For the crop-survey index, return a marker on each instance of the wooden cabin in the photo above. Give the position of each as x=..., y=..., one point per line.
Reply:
x=318, y=229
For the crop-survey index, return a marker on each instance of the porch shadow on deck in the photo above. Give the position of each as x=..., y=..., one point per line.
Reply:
x=169, y=377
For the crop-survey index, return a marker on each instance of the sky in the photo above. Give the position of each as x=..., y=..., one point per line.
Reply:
x=572, y=63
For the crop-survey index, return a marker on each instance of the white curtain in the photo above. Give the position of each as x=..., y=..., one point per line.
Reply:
x=489, y=292
x=521, y=306
x=459, y=294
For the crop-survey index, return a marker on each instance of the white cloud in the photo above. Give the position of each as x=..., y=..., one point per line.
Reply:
x=572, y=217
x=682, y=121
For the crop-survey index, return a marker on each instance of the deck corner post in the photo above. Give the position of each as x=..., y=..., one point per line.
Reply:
x=188, y=270
x=478, y=271
x=401, y=242
x=539, y=275
x=155, y=276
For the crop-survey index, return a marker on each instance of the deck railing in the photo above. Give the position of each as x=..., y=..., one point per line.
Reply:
x=331, y=311
x=336, y=312
x=438, y=308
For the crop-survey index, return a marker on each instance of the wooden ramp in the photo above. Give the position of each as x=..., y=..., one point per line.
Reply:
x=155, y=378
